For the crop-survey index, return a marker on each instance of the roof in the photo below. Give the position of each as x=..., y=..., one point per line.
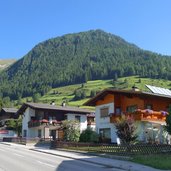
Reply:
x=52, y=107
x=91, y=115
x=10, y=110
x=102, y=94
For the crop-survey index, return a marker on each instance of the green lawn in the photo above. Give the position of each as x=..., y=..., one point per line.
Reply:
x=66, y=93
x=159, y=161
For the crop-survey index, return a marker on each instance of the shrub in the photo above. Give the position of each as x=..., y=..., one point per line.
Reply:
x=89, y=135
x=125, y=129
x=168, y=121
x=71, y=130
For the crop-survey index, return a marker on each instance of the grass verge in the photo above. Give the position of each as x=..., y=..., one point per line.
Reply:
x=158, y=161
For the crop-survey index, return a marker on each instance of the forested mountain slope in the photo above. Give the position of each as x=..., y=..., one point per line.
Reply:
x=76, y=58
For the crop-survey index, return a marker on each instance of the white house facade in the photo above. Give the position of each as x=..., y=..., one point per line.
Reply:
x=44, y=121
x=103, y=125
x=149, y=111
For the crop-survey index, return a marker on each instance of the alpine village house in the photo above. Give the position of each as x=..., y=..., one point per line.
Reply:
x=7, y=114
x=44, y=120
x=148, y=109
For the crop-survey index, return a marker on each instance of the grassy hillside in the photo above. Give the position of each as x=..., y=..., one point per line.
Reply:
x=66, y=93
x=4, y=63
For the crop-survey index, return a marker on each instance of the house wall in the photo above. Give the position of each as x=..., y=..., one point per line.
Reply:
x=26, y=118
x=126, y=101
x=104, y=122
x=107, y=99
x=7, y=133
x=83, y=120
x=123, y=101
x=5, y=116
x=33, y=132
x=158, y=103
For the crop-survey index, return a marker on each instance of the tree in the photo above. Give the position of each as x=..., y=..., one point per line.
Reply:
x=93, y=93
x=36, y=97
x=6, y=102
x=125, y=129
x=168, y=121
x=79, y=94
x=71, y=130
x=115, y=77
x=89, y=135
x=15, y=124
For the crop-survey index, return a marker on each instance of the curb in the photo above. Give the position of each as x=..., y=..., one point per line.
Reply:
x=97, y=163
x=96, y=154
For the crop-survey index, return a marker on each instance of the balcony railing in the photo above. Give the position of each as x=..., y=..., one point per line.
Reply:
x=44, y=122
x=142, y=115
x=91, y=123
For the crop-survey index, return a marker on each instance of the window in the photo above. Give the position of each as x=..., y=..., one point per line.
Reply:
x=78, y=118
x=104, y=112
x=50, y=119
x=105, y=133
x=39, y=133
x=149, y=106
x=118, y=111
x=25, y=133
x=132, y=108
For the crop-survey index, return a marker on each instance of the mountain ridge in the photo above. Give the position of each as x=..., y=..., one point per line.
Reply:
x=76, y=58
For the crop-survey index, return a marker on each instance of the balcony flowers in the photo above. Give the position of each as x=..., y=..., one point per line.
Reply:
x=164, y=113
x=149, y=111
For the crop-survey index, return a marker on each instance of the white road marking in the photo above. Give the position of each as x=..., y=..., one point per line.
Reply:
x=46, y=164
x=18, y=155
x=2, y=150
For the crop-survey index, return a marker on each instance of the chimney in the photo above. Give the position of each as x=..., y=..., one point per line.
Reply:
x=134, y=88
x=63, y=104
x=52, y=103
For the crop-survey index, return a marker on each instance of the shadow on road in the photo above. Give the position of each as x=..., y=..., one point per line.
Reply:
x=78, y=165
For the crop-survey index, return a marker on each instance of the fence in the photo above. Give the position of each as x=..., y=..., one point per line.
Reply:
x=17, y=140
x=24, y=141
x=114, y=149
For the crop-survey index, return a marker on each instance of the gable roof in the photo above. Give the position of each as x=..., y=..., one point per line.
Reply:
x=102, y=94
x=42, y=106
x=8, y=113
x=10, y=110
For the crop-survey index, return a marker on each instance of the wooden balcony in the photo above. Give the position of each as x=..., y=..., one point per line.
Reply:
x=43, y=122
x=142, y=115
x=91, y=123
x=114, y=117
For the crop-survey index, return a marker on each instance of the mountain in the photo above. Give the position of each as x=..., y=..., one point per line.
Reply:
x=4, y=63
x=76, y=58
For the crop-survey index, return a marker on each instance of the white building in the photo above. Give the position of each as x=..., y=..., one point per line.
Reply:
x=44, y=120
x=148, y=109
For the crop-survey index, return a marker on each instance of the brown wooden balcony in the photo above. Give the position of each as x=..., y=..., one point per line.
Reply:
x=150, y=115
x=114, y=117
x=43, y=122
x=91, y=123
x=142, y=115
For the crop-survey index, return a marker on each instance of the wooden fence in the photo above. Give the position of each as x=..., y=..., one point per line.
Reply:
x=125, y=150
x=24, y=141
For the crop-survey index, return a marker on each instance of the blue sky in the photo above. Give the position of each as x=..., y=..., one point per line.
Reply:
x=25, y=23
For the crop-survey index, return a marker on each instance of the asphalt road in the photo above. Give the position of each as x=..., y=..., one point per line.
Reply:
x=21, y=159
